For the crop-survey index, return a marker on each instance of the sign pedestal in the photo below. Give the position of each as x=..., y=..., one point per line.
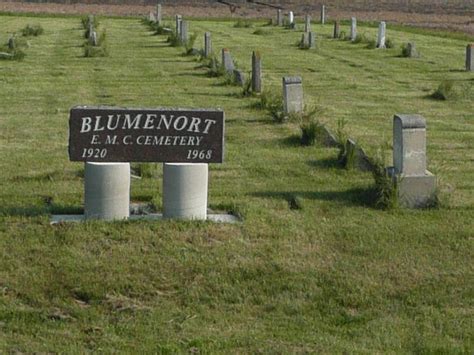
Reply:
x=185, y=188
x=107, y=191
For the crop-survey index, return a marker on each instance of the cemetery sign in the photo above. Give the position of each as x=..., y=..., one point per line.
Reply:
x=111, y=134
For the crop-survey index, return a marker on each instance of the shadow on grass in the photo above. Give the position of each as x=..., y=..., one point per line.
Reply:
x=292, y=141
x=34, y=211
x=326, y=163
x=352, y=197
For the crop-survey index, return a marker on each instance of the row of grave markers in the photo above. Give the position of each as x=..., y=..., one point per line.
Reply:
x=185, y=185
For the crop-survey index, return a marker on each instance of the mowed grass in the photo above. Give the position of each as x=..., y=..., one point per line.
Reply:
x=338, y=275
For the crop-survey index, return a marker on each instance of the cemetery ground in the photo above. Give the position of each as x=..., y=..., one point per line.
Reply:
x=333, y=273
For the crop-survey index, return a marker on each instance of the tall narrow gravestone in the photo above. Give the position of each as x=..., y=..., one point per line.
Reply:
x=108, y=138
x=311, y=40
x=323, y=14
x=279, y=21
x=178, y=20
x=353, y=29
x=381, y=35
x=207, y=45
x=291, y=19
x=337, y=30
x=292, y=94
x=470, y=57
x=256, y=72
x=159, y=15
x=416, y=186
x=227, y=61
x=307, y=23
x=183, y=33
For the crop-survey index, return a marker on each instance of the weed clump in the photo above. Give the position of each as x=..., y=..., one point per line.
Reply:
x=445, y=91
x=310, y=126
x=386, y=186
x=273, y=103
x=12, y=50
x=215, y=69
x=371, y=44
x=189, y=45
x=32, y=30
x=243, y=24
x=389, y=43
x=261, y=32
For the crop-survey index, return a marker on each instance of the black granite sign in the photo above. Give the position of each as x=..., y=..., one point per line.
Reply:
x=111, y=134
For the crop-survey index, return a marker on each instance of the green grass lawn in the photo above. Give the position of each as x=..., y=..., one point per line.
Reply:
x=338, y=275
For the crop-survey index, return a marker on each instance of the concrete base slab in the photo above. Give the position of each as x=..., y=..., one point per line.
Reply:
x=216, y=218
x=416, y=191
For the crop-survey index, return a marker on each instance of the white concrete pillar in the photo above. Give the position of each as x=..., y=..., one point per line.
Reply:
x=107, y=191
x=185, y=190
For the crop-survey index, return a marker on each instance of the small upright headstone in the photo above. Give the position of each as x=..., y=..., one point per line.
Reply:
x=291, y=19
x=207, y=45
x=158, y=13
x=279, y=18
x=304, y=43
x=256, y=72
x=311, y=40
x=239, y=76
x=470, y=57
x=337, y=30
x=178, y=20
x=307, y=23
x=11, y=43
x=227, y=61
x=183, y=32
x=323, y=14
x=411, y=50
x=151, y=17
x=292, y=94
x=353, y=29
x=93, y=39
x=416, y=185
x=381, y=35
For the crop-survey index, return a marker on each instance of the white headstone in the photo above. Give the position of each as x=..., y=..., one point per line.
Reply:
x=381, y=35
x=353, y=29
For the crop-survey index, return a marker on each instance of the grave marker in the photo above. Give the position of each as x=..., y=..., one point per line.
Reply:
x=337, y=30
x=381, y=35
x=151, y=17
x=158, y=13
x=311, y=40
x=470, y=57
x=292, y=94
x=353, y=29
x=178, y=20
x=323, y=14
x=93, y=39
x=279, y=18
x=227, y=61
x=416, y=185
x=411, y=50
x=239, y=76
x=256, y=72
x=183, y=32
x=291, y=19
x=207, y=45
x=307, y=23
